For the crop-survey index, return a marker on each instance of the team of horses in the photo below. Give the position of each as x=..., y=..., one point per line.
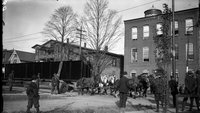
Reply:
x=138, y=86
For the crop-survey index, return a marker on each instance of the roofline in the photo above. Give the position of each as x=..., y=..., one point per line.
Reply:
x=160, y=14
x=77, y=47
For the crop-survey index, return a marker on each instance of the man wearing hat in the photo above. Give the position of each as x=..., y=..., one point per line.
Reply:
x=159, y=88
x=33, y=95
x=190, y=88
x=123, y=91
x=55, y=83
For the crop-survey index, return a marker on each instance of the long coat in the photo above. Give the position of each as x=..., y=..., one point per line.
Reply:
x=32, y=90
x=159, y=89
x=123, y=84
x=190, y=85
x=174, y=86
x=198, y=85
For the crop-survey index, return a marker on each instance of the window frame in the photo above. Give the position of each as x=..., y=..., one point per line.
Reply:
x=189, y=29
x=159, y=29
x=136, y=59
x=134, y=35
x=147, y=59
x=188, y=55
x=145, y=37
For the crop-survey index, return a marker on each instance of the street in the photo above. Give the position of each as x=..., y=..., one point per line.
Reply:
x=16, y=102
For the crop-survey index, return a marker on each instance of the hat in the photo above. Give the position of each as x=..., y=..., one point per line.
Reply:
x=159, y=71
x=198, y=71
x=124, y=73
x=190, y=72
x=34, y=77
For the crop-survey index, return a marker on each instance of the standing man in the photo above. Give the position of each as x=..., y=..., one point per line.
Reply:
x=55, y=83
x=159, y=88
x=198, y=88
x=190, y=89
x=38, y=81
x=123, y=91
x=10, y=80
x=33, y=95
x=173, y=84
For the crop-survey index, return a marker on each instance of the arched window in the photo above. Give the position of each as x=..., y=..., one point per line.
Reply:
x=133, y=73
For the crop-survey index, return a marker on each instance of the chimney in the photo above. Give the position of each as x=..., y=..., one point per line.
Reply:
x=106, y=48
x=85, y=45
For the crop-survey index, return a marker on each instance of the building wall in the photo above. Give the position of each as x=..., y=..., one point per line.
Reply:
x=42, y=55
x=181, y=40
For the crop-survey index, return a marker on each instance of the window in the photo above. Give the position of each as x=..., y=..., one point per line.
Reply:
x=133, y=74
x=188, y=26
x=175, y=28
x=145, y=53
x=133, y=55
x=146, y=72
x=189, y=52
x=114, y=62
x=134, y=33
x=176, y=51
x=159, y=29
x=145, y=31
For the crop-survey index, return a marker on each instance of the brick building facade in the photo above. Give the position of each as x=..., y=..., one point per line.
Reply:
x=139, y=44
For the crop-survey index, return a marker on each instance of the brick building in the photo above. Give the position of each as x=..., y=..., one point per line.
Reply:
x=139, y=44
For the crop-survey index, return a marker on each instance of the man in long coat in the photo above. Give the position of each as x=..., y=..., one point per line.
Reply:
x=190, y=89
x=123, y=91
x=10, y=80
x=55, y=83
x=173, y=84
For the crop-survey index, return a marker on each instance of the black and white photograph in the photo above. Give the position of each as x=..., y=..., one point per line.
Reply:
x=100, y=56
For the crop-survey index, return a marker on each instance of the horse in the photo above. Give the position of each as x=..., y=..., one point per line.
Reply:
x=138, y=86
x=143, y=84
x=85, y=83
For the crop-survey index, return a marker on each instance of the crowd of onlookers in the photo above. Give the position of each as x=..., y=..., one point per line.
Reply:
x=126, y=86
x=160, y=87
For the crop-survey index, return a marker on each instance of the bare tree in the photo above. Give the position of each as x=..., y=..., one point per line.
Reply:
x=103, y=30
x=62, y=27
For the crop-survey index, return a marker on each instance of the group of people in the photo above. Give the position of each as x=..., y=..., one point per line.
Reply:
x=190, y=89
x=158, y=87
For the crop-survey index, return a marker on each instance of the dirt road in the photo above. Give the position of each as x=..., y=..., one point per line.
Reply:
x=76, y=103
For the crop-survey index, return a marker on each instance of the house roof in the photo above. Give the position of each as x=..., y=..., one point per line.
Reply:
x=23, y=56
x=75, y=46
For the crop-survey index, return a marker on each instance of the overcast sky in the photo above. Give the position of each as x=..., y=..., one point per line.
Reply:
x=25, y=18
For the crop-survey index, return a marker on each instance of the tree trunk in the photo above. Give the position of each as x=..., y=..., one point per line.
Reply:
x=61, y=60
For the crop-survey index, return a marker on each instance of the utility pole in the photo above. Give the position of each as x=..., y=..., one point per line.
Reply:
x=80, y=32
x=173, y=50
x=198, y=24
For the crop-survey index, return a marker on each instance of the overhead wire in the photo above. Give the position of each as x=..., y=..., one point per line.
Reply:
x=14, y=38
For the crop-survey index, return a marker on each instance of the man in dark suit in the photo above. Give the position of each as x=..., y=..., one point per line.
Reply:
x=33, y=95
x=173, y=84
x=123, y=91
